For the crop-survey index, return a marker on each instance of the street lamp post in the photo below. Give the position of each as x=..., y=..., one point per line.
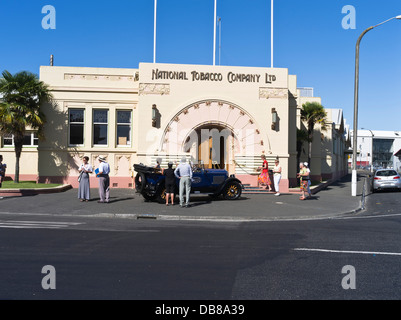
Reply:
x=356, y=92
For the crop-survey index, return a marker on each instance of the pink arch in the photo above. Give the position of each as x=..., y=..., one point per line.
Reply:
x=217, y=112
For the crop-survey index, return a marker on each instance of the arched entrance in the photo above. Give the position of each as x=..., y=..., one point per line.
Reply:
x=229, y=132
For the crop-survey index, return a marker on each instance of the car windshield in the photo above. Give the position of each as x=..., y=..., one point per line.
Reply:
x=386, y=173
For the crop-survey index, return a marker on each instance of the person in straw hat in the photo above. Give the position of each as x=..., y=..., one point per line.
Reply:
x=104, y=180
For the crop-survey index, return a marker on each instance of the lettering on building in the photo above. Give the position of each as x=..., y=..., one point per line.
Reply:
x=230, y=77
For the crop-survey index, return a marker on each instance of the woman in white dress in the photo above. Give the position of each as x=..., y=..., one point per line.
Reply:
x=277, y=176
x=84, y=187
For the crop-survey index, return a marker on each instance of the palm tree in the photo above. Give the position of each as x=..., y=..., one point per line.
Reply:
x=313, y=113
x=23, y=94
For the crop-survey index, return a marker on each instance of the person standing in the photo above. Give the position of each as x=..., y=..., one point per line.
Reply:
x=3, y=168
x=84, y=186
x=306, y=165
x=277, y=176
x=169, y=182
x=304, y=178
x=104, y=180
x=184, y=173
x=264, y=178
x=158, y=164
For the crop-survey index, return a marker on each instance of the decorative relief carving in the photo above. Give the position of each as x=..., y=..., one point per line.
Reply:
x=154, y=88
x=92, y=77
x=268, y=93
x=117, y=159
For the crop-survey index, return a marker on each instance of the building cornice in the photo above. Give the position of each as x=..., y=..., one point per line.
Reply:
x=94, y=89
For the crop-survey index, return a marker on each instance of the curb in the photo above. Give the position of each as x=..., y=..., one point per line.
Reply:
x=33, y=191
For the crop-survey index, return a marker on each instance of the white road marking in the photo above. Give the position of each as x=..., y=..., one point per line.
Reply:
x=369, y=217
x=23, y=224
x=41, y=222
x=350, y=252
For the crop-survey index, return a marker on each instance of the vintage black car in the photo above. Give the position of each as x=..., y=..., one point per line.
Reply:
x=149, y=182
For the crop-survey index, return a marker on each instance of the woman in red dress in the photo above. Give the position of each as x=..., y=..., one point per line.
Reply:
x=264, y=178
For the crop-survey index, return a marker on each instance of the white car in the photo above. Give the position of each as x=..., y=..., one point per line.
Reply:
x=386, y=179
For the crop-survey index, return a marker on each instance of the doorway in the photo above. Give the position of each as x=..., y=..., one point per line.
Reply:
x=213, y=146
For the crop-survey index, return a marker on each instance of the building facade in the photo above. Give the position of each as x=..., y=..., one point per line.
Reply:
x=335, y=143
x=378, y=149
x=222, y=117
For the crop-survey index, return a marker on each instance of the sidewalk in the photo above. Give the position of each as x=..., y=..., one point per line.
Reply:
x=335, y=199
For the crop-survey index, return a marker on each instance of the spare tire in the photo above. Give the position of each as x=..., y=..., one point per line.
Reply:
x=140, y=181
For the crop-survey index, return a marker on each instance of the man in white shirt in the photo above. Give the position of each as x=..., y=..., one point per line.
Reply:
x=184, y=173
x=104, y=180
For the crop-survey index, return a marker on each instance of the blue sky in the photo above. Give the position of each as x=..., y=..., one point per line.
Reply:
x=309, y=40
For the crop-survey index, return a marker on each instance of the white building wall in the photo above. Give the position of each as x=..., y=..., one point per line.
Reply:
x=365, y=144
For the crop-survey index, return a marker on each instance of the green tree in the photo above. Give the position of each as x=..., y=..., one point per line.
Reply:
x=20, y=108
x=313, y=113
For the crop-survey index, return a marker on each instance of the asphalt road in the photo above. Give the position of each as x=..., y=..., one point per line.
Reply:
x=175, y=260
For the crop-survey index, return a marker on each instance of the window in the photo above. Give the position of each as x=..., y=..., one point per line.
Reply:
x=386, y=173
x=8, y=139
x=383, y=152
x=76, y=124
x=100, y=118
x=123, y=128
x=30, y=140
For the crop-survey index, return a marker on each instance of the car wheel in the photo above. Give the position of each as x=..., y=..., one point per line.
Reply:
x=140, y=180
x=232, y=191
